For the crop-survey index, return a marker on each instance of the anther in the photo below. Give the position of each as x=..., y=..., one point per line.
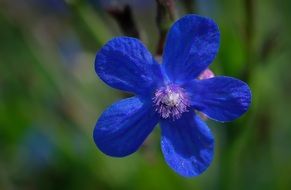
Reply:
x=171, y=101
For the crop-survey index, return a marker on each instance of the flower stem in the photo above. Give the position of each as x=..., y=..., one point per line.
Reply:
x=164, y=19
x=249, y=37
x=124, y=18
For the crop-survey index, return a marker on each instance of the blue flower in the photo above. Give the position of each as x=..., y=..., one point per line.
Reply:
x=168, y=93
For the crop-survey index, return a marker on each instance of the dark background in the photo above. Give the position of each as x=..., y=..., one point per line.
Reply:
x=50, y=96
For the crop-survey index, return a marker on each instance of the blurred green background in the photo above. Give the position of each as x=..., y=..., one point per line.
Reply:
x=50, y=96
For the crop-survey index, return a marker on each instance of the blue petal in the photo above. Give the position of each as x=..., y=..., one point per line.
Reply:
x=187, y=145
x=124, y=63
x=220, y=98
x=192, y=44
x=124, y=126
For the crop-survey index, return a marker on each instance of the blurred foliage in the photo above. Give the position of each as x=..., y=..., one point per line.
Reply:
x=50, y=97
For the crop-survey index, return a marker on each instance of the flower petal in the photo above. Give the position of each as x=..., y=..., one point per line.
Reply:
x=124, y=126
x=192, y=44
x=220, y=98
x=187, y=145
x=124, y=63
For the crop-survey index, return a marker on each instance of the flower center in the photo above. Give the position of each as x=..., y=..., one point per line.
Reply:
x=171, y=101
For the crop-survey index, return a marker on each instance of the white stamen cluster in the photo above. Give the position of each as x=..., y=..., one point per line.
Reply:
x=170, y=102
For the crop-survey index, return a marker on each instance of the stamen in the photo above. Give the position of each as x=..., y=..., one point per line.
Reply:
x=171, y=101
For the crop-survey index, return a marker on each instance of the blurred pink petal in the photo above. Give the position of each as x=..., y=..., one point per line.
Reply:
x=206, y=74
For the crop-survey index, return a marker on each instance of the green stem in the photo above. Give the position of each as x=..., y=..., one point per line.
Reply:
x=249, y=38
x=165, y=18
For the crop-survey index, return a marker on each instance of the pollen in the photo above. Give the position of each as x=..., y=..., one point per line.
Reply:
x=171, y=101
